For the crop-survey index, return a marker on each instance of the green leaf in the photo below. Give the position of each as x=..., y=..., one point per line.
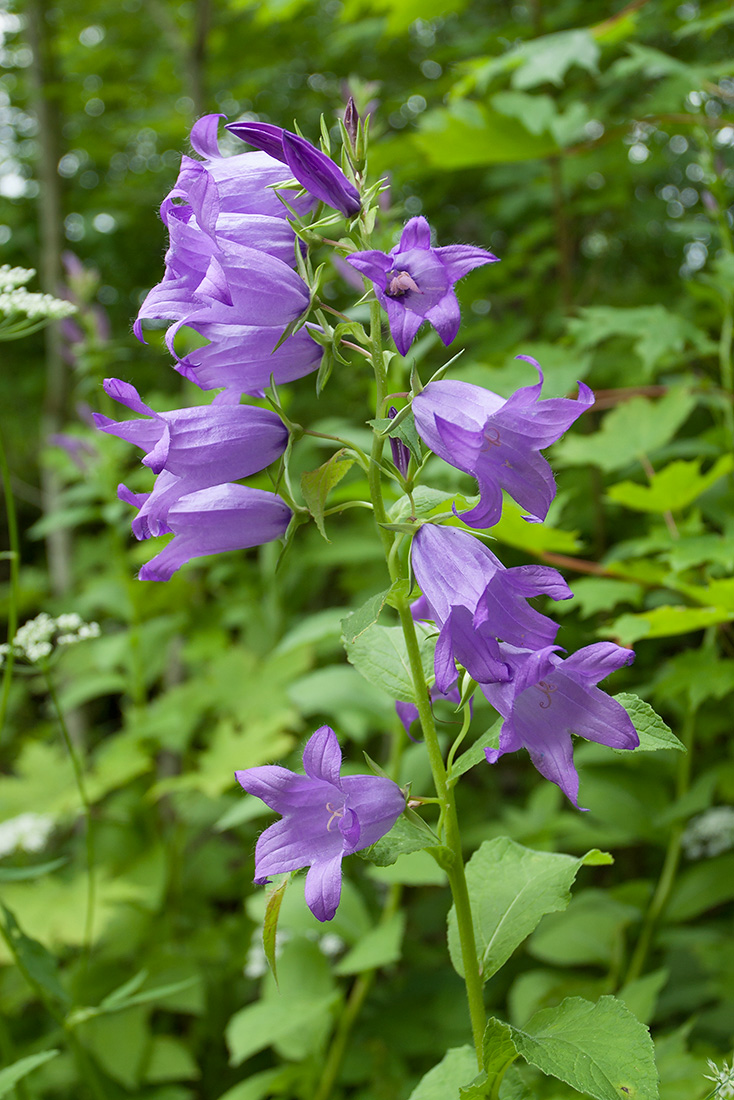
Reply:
x=641, y=995
x=674, y=487
x=169, y=1059
x=457, y=1068
x=510, y=889
x=259, y=1025
x=409, y=834
x=658, y=336
x=634, y=427
x=33, y=957
x=466, y=135
x=499, y=1050
x=317, y=484
x=702, y=887
x=589, y=932
x=270, y=925
x=475, y=754
x=546, y=60
x=21, y=874
x=535, y=538
x=10, y=1076
x=601, y=1049
x=381, y=946
x=379, y=653
x=355, y=624
x=653, y=732
x=665, y=622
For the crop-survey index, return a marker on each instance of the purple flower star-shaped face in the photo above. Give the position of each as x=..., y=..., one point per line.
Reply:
x=474, y=600
x=415, y=282
x=496, y=441
x=549, y=698
x=325, y=816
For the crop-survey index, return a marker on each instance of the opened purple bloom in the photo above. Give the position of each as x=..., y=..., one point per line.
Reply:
x=212, y=521
x=474, y=600
x=312, y=168
x=549, y=698
x=498, y=441
x=325, y=816
x=193, y=448
x=415, y=283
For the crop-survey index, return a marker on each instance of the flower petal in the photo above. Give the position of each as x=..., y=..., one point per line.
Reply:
x=322, y=757
x=324, y=887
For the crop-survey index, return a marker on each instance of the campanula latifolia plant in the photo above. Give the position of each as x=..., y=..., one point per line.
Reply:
x=250, y=241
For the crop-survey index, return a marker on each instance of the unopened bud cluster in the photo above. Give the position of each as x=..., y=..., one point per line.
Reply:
x=35, y=640
x=18, y=302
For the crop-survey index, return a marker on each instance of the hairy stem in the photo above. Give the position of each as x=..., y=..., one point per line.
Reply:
x=14, y=548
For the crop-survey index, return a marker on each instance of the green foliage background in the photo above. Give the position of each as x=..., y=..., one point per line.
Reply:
x=589, y=145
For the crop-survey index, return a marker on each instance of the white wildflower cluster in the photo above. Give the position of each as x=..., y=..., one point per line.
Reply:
x=723, y=1080
x=256, y=963
x=16, y=301
x=710, y=834
x=35, y=639
x=26, y=832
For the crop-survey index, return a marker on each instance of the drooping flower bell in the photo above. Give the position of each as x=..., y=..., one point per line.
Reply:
x=498, y=441
x=549, y=698
x=475, y=600
x=213, y=521
x=194, y=448
x=415, y=282
x=316, y=172
x=325, y=816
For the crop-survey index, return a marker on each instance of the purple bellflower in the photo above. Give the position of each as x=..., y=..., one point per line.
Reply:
x=549, y=698
x=474, y=600
x=415, y=283
x=325, y=816
x=498, y=441
x=316, y=172
x=400, y=453
x=194, y=448
x=212, y=521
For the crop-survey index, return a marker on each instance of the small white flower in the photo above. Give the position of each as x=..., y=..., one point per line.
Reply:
x=710, y=834
x=27, y=832
x=69, y=621
x=723, y=1079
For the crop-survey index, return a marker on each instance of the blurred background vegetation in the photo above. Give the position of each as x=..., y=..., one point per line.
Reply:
x=591, y=146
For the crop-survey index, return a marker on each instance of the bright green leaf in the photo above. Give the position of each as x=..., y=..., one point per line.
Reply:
x=653, y=732
x=673, y=488
x=510, y=889
x=380, y=655
x=317, y=484
x=601, y=1049
x=381, y=946
x=457, y=1068
x=10, y=1075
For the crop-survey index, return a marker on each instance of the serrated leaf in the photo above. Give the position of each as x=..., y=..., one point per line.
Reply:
x=381, y=656
x=514, y=531
x=11, y=1075
x=260, y=1025
x=638, y=426
x=673, y=488
x=601, y=1049
x=357, y=622
x=270, y=925
x=317, y=484
x=510, y=888
x=653, y=732
x=457, y=1068
x=408, y=834
x=499, y=1051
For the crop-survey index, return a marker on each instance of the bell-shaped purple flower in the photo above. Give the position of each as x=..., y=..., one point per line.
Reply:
x=498, y=441
x=316, y=172
x=241, y=357
x=212, y=521
x=549, y=698
x=193, y=448
x=325, y=816
x=415, y=282
x=475, y=600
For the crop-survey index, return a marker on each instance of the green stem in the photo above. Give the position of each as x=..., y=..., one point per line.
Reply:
x=14, y=580
x=452, y=836
x=672, y=858
x=81, y=786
